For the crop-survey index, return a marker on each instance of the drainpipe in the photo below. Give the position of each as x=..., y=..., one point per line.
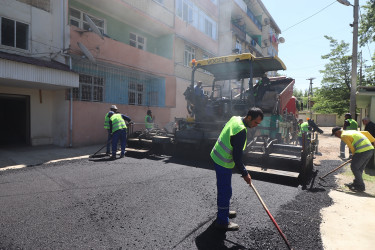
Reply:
x=71, y=110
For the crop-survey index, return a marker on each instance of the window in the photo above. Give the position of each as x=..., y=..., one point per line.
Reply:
x=90, y=89
x=77, y=19
x=159, y=1
x=14, y=34
x=137, y=41
x=136, y=93
x=189, y=55
x=190, y=13
x=238, y=46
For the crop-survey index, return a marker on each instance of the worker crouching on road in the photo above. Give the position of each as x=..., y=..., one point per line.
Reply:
x=360, y=143
x=118, y=128
x=226, y=154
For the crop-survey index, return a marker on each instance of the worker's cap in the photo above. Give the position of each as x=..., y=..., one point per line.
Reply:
x=113, y=107
x=335, y=129
x=300, y=120
x=348, y=114
x=307, y=118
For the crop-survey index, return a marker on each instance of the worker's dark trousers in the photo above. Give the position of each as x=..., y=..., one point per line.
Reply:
x=119, y=135
x=224, y=193
x=359, y=163
x=108, y=144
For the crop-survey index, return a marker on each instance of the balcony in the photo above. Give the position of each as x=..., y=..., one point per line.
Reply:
x=238, y=30
x=240, y=11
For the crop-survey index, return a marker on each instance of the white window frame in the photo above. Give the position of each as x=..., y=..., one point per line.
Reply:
x=138, y=91
x=137, y=44
x=82, y=24
x=27, y=36
x=189, y=54
x=91, y=91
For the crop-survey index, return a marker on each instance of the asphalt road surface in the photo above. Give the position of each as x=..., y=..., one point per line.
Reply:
x=153, y=203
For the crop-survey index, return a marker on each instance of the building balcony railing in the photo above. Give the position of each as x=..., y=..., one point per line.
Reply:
x=239, y=30
x=253, y=18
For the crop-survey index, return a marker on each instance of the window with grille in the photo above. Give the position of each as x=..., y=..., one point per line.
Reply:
x=136, y=93
x=137, y=41
x=76, y=18
x=189, y=55
x=90, y=89
x=14, y=34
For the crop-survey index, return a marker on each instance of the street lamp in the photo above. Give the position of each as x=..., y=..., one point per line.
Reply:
x=353, y=88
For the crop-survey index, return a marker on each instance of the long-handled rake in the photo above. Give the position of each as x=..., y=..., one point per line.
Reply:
x=270, y=215
x=108, y=142
x=322, y=177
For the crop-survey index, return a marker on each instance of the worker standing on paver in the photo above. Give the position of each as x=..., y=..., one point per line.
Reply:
x=118, y=128
x=226, y=154
x=360, y=143
x=149, y=120
x=349, y=124
x=113, y=109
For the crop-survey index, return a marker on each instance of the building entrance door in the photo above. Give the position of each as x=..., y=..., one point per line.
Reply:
x=14, y=120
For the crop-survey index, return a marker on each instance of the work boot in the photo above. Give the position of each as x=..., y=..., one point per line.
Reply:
x=113, y=157
x=232, y=214
x=228, y=227
x=122, y=156
x=355, y=188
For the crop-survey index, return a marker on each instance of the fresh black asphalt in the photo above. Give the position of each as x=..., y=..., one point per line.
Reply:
x=157, y=202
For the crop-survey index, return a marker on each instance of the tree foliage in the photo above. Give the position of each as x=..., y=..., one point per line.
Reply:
x=366, y=30
x=334, y=94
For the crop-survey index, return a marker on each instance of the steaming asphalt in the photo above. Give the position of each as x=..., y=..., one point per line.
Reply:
x=153, y=203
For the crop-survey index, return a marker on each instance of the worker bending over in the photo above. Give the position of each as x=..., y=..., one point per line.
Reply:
x=226, y=154
x=118, y=128
x=360, y=143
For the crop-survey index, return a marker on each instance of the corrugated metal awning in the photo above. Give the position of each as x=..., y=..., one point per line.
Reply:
x=19, y=71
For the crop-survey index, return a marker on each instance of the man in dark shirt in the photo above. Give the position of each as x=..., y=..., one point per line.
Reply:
x=369, y=126
x=227, y=154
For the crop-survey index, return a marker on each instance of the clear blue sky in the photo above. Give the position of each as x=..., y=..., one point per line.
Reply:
x=305, y=43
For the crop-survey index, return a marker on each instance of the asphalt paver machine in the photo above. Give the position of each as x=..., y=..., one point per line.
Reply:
x=272, y=145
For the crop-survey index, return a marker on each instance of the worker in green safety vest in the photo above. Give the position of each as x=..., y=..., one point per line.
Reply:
x=349, y=124
x=113, y=109
x=118, y=128
x=361, y=144
x=227, y=154
x=303, y=128
x=149, y=120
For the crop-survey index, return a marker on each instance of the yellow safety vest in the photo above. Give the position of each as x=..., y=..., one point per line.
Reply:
x=222, y=152
x=106, y=121
x=117, y=122
x=148, y=125
x=360, y=142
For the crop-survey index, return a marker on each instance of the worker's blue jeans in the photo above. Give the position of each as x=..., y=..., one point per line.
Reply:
x=119, y=135
x=108, y=139
x=224, y=193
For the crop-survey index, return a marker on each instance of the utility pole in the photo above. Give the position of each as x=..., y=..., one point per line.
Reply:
x=310, y=95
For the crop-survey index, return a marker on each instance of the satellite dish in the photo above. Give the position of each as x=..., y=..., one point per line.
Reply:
x=92, y=25
x=86, y=52
x=281, y=40
x=266, y=21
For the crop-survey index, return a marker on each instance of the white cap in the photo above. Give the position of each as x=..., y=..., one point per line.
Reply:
x=113, y=107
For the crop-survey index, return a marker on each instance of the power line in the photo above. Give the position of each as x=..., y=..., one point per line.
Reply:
x=310, y=16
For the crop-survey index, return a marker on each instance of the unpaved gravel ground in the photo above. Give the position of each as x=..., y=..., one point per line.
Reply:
x=349, y=222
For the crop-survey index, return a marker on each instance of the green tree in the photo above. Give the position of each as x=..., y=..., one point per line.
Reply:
x=366, y=29
x=334, y=94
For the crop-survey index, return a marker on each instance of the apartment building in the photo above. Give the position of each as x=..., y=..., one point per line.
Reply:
x=131, y=53
x=34, y=73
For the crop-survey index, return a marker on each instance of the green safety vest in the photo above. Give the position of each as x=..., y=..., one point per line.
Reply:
x=360, y=142
x=117, y=122
x=304, y=127
x=353, y=125
x=148, y=124
x=222, y=152
x=106, y=121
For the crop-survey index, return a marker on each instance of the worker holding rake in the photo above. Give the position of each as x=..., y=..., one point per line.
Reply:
x=226, y=154
x=360, y=143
